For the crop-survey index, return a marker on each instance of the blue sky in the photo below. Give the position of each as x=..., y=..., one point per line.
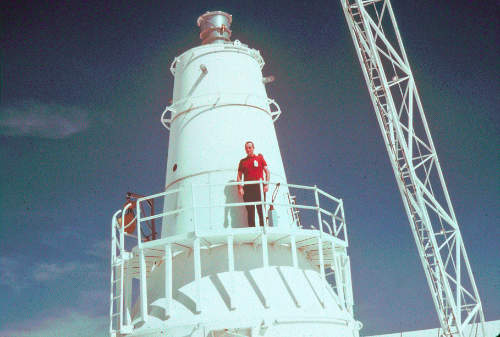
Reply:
x=82, y=89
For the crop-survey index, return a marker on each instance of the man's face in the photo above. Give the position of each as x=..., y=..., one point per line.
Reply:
x=249, y=149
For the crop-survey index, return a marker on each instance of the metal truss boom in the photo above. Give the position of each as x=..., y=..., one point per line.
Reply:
x=414, y=160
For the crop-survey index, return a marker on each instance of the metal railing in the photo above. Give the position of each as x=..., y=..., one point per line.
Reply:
x=335, y=225
x=209, y=101
x=329, y=222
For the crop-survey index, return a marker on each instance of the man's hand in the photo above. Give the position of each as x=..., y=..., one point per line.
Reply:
x=240, y=190
x=268, y=177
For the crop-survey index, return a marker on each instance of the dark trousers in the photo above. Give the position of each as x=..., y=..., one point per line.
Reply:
x=252, y=194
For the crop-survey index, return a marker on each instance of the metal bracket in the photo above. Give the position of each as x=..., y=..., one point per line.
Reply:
x=173, y=65
x=276, y=113
x=167, y=121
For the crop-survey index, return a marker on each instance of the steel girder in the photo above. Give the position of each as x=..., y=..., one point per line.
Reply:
x=414, y=160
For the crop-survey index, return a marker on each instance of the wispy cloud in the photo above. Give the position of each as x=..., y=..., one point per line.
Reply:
x=52, y=271
x=99, y=249
x=63, y=234
x=68, y=323
x=15, y=275
x=85, y=318
x=44, y=272
x=36, y=119
x=12, y=274
x=94, y=300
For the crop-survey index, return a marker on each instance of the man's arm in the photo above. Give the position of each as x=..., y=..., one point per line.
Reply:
x=240, y=187
x=268, y=176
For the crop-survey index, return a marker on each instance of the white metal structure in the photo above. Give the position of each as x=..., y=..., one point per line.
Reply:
x=491, y=328
x=209, y=274
x=415, y=163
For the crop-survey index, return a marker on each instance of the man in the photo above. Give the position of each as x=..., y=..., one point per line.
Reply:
x=252, y=168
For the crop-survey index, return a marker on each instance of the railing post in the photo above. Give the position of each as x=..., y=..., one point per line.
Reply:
x=263, y=205
x=293, y=247
x=142, y=267
x=338, y=273
x=128, y=297
x=265, y=252
x=349, y=295
x=143, y=286
x=168, y=280
x=230, y=268
x=113, y=258
x=122, y=232
x=321, y=257
x=138, y=224
x=320, y=238
x=322, y=270
x=194, y=209
x=344, y=229
x=122, y=255
x=320, y=242
x=316, y=199
x=230, y=253
x=122, y=270
x=197, y=273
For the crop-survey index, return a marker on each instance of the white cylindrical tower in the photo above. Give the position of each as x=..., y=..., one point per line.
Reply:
x=219, y=103
x=210, y=274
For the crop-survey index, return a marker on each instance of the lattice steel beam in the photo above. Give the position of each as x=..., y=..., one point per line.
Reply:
x=416, y=166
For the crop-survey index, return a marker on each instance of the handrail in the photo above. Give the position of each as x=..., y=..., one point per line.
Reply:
x=159, y=194
x=330, y=222
x=263, y=103
x=113, y=273
x=335, y=228
x=320, y=191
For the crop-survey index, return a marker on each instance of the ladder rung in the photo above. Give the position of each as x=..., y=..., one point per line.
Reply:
x=115, y=314
x=116, y=297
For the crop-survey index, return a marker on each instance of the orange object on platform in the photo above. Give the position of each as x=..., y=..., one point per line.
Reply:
x=130, y=217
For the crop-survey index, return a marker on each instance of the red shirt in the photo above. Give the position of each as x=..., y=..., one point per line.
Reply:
x=252, y=167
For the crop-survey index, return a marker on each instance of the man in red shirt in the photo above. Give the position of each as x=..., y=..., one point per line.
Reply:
x=252, y=167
